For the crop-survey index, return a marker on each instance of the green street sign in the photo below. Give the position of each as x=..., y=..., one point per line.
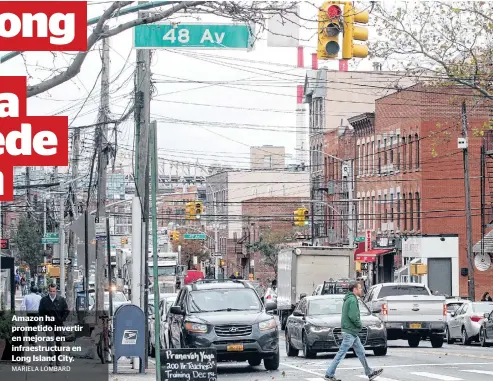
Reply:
x=359, y=239
x=50, y=238
x=194, y=36
x=194, y=236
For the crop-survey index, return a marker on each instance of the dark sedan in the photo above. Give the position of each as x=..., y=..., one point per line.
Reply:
x=486, y=331
x=315, y=327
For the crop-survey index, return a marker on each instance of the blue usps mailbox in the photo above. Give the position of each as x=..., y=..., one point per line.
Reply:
x=129, y=334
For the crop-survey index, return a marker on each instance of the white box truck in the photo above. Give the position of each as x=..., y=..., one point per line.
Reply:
x=301, y=269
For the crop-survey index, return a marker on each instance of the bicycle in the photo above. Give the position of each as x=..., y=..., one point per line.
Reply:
x=104, y=346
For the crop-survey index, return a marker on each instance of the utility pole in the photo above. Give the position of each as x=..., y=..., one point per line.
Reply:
x=102, y=142
x=347, y=173
x=62, y=244
x=72, y=237
x=467, y=193
x=216, y=237
x=28, y=190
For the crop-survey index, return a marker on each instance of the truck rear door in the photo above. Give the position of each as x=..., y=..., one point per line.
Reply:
x=415, y=308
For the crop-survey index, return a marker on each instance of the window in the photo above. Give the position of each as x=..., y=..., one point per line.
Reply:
x=403, y=153
x=368, y=168
x=385, y=207
x=379, y=206
x=402, y=291
x=359, y=160
x=268, y=162
x=411, y=212
x=391, y=150
x=372, y=157
x=373, y=212
x=363, y=159
x=404, y=212
x=416, y=146
x=392, y=207
x=398, y=152
x=410, y=142
x=418, y=211
x=379, y=157
x=398, y=210
x=363, y=212
x=385, y=152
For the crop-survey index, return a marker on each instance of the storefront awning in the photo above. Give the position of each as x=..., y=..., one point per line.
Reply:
x=371, y=255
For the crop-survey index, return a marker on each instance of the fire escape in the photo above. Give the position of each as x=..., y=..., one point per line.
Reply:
x=485, y=246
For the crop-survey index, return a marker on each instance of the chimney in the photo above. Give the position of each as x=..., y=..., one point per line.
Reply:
x=377, y=66
x=341, y=129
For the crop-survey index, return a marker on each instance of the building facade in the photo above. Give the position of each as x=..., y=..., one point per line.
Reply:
x=267, y=158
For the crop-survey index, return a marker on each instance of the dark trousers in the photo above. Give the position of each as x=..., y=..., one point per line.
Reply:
x=54, y=343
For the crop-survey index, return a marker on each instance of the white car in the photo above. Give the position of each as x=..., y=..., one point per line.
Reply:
x=164, y=305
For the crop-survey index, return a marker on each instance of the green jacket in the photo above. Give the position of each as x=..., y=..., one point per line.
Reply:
x=351, y=320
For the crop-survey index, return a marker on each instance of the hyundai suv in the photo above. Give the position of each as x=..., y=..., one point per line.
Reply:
x=229, y=316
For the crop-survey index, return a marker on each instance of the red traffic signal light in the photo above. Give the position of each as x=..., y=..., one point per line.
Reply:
x=334, y=11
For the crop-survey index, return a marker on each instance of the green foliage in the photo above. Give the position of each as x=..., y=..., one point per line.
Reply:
x=28, y=242
x=5, y=325
x=269, y=244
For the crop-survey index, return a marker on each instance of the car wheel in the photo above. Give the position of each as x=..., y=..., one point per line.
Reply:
x=290, y=350
x=273, y=362
x=380, y=351
x=465, y=339
x=413, y=342
x=255, y=361
x=482, y=338
x=152, y=350
x=307, y=351
x=436, y=341
x=447, y=336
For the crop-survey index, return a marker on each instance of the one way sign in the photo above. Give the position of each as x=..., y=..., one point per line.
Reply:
x=56, y=261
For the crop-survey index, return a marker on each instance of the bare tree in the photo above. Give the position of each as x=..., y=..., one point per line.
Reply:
x=256, y=12
x=448, y=42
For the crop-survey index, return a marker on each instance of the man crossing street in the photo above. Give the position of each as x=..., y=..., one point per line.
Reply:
x=351, y=325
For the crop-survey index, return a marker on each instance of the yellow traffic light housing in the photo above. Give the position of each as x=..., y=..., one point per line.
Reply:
x=199, y=209
x=354, y=32
x=329, y=29
x=221, y=262
x=301, y=217
x=189, y=212
x=176, y=236
x=171, y=235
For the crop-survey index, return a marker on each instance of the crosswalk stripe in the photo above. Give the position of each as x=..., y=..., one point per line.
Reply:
x=436, y=376
x=314, y=379
x=379, y=378
x=478, y=371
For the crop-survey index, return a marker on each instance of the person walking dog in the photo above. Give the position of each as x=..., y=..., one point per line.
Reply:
x=351, y=325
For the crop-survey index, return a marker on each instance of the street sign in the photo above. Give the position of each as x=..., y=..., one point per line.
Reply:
x=4, y=244
x=368, y=240
x=50, y=238
x=194, y=236
x=56, y=261
x=216, y=255
x=100, y=228
x=359, y=239
x=194, y=36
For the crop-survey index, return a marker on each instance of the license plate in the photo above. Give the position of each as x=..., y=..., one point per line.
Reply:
x=415, y=326
x=235, y=348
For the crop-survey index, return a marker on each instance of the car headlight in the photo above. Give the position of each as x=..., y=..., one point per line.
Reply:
x=196, y=327
x=267, y=324
x=376, y=326
x=315, y=329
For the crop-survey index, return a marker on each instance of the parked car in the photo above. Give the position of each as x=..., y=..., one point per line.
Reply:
x=409, y=311
x=315, y=327
x=164, y=305
x=229, y=316
x=486, y=330
x=453, y=305
x=466, y=322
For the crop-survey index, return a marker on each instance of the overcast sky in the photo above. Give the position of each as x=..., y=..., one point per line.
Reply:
x=248, y=74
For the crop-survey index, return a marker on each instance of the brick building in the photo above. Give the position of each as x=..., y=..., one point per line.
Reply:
x=410, y=177
x=264, y=216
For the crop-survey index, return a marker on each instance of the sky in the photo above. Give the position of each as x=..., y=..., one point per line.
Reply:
x=197, y=118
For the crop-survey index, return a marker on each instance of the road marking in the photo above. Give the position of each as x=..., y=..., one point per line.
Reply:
x=455, y=364
x=478, y=371
x=379, y=378
x=456, y=354
x=303, y=370
x=314, y=379
x=436, y=376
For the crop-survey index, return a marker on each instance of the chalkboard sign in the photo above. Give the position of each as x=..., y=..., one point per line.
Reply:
x=189, y=364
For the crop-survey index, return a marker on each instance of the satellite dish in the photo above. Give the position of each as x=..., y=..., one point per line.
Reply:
x=482, y=262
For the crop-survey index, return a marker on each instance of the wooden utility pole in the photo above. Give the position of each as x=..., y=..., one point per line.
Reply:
x=467, y=193
x=103, y=159
x=28, y=190
x=72, y=237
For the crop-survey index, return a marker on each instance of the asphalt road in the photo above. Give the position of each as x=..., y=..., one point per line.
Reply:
x=450, y=363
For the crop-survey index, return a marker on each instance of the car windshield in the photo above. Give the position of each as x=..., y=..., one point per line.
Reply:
x=402, y=290
x=164, y=270
x=482, y=307
x=332, y=306
x=452, y=307
x=224, y=300
x=117, y=297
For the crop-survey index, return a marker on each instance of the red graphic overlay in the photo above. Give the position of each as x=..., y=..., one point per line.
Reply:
x=27, y=140
x=43, y=26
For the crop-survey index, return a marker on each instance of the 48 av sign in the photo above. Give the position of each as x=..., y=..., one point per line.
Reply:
x=194, y=36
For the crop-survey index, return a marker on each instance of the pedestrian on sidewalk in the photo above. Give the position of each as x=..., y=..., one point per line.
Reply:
x=486, y=297
x=23, y=285
x=351, y=326
x=30, y=305
x=55, y=308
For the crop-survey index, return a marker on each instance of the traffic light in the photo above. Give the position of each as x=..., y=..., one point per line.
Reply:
x=176, y=236
x=199, y=209
x=124, y=240
x=301, y=217
x=354, y=32
x=171, y=235
x=306, y=215
x=189, y=211
x=329, y=29
x=221, y=263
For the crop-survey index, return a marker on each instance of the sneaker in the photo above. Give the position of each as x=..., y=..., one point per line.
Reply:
x=375, y=374
x=331, y=378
